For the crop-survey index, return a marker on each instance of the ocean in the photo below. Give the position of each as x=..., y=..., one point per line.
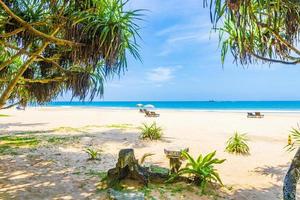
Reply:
x=190, y=105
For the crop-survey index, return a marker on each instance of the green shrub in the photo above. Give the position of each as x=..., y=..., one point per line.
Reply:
x=294, y=139
x=152, y=132
x=201, y=170
x=93, y=154
x=238, y=144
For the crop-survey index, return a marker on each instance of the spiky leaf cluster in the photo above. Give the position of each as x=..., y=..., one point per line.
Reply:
x=88, y=40
x=257, y=30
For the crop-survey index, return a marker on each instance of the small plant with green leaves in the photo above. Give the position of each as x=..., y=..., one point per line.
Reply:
x=293, y=139
x=152, y=131
x=238, y=144
x=93, y=153
x=201, y=170
x=144, y=157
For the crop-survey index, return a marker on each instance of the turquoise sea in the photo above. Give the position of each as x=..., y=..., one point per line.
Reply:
x=190, y=105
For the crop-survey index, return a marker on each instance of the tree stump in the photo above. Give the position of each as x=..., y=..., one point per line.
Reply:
x=127, y=167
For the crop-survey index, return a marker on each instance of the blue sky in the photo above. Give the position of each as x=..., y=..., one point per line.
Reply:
x=181, y=61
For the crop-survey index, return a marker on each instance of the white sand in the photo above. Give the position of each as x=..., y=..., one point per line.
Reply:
x=258, y=176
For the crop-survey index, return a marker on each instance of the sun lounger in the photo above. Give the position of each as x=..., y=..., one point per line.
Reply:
x=250, y=115
x=258, y=115
x=254, y=115
x=151, y=114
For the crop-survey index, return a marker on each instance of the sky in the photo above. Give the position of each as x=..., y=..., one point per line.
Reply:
x=181, y=62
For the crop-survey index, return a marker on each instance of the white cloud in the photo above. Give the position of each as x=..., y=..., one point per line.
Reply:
x=180, y=35
x=160, y=74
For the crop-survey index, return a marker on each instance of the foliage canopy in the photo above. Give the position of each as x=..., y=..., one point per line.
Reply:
x=257, y=30
x=48, y=47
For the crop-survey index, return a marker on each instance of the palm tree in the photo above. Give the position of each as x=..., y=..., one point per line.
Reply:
x=49, y=47
x=261, y=31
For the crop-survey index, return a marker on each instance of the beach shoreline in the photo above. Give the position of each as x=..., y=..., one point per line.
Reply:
x=172, y=109
x=200, y=131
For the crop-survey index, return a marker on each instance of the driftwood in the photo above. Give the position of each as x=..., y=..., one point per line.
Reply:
x=128, y=167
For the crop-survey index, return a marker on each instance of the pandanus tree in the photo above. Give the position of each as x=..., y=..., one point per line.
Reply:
x=48, y=47
x=264, y=31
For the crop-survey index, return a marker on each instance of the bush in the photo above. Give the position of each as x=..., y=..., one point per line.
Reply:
x=152, y=132
x=293, y=139
x=201, y=169
x=238, y=144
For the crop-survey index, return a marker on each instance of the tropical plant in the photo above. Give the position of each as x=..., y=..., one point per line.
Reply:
x=201, y=170
x=238, y=144
x=293, y=139
x=257, y=30
x=50, y=47
x=152, y=131
x=93, y=153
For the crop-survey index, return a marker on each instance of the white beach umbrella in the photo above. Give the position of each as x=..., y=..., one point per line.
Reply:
x=149, y=106
x=139, y=105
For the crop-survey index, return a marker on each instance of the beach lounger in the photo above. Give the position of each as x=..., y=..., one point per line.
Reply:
x=250, y=115
x=154, y=114
x=151, y=114
x=255, y=115
x=258, y=115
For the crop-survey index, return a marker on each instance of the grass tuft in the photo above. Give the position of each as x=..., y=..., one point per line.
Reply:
x=152, y=131
x=93, y=153
x=238, y=144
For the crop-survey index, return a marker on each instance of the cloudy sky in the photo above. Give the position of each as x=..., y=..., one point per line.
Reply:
x=181, y=61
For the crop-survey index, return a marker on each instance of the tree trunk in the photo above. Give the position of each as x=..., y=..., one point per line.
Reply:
x=291, y=178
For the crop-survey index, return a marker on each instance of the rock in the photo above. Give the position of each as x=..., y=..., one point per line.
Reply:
x=119, y=195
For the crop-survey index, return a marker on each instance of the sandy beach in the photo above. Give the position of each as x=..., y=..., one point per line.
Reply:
x=39, y=174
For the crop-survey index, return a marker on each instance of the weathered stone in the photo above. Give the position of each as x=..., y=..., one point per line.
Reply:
x=120, y=195
x=174, y=154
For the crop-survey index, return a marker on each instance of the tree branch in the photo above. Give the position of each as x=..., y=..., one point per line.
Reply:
x=274, y=60
x=11, y=60
x=49, y=60
x=287, y=44
x=18, y=30
x=56, y=79
x=35, y=31
x=9, y=106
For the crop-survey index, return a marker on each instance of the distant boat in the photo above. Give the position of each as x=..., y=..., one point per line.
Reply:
x=211, y=101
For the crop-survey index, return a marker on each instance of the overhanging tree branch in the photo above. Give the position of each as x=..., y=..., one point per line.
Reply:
x=274, y=60
x=35, y=31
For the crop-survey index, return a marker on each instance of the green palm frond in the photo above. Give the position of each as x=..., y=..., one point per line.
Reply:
x=201, y=170
x=295, y=139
